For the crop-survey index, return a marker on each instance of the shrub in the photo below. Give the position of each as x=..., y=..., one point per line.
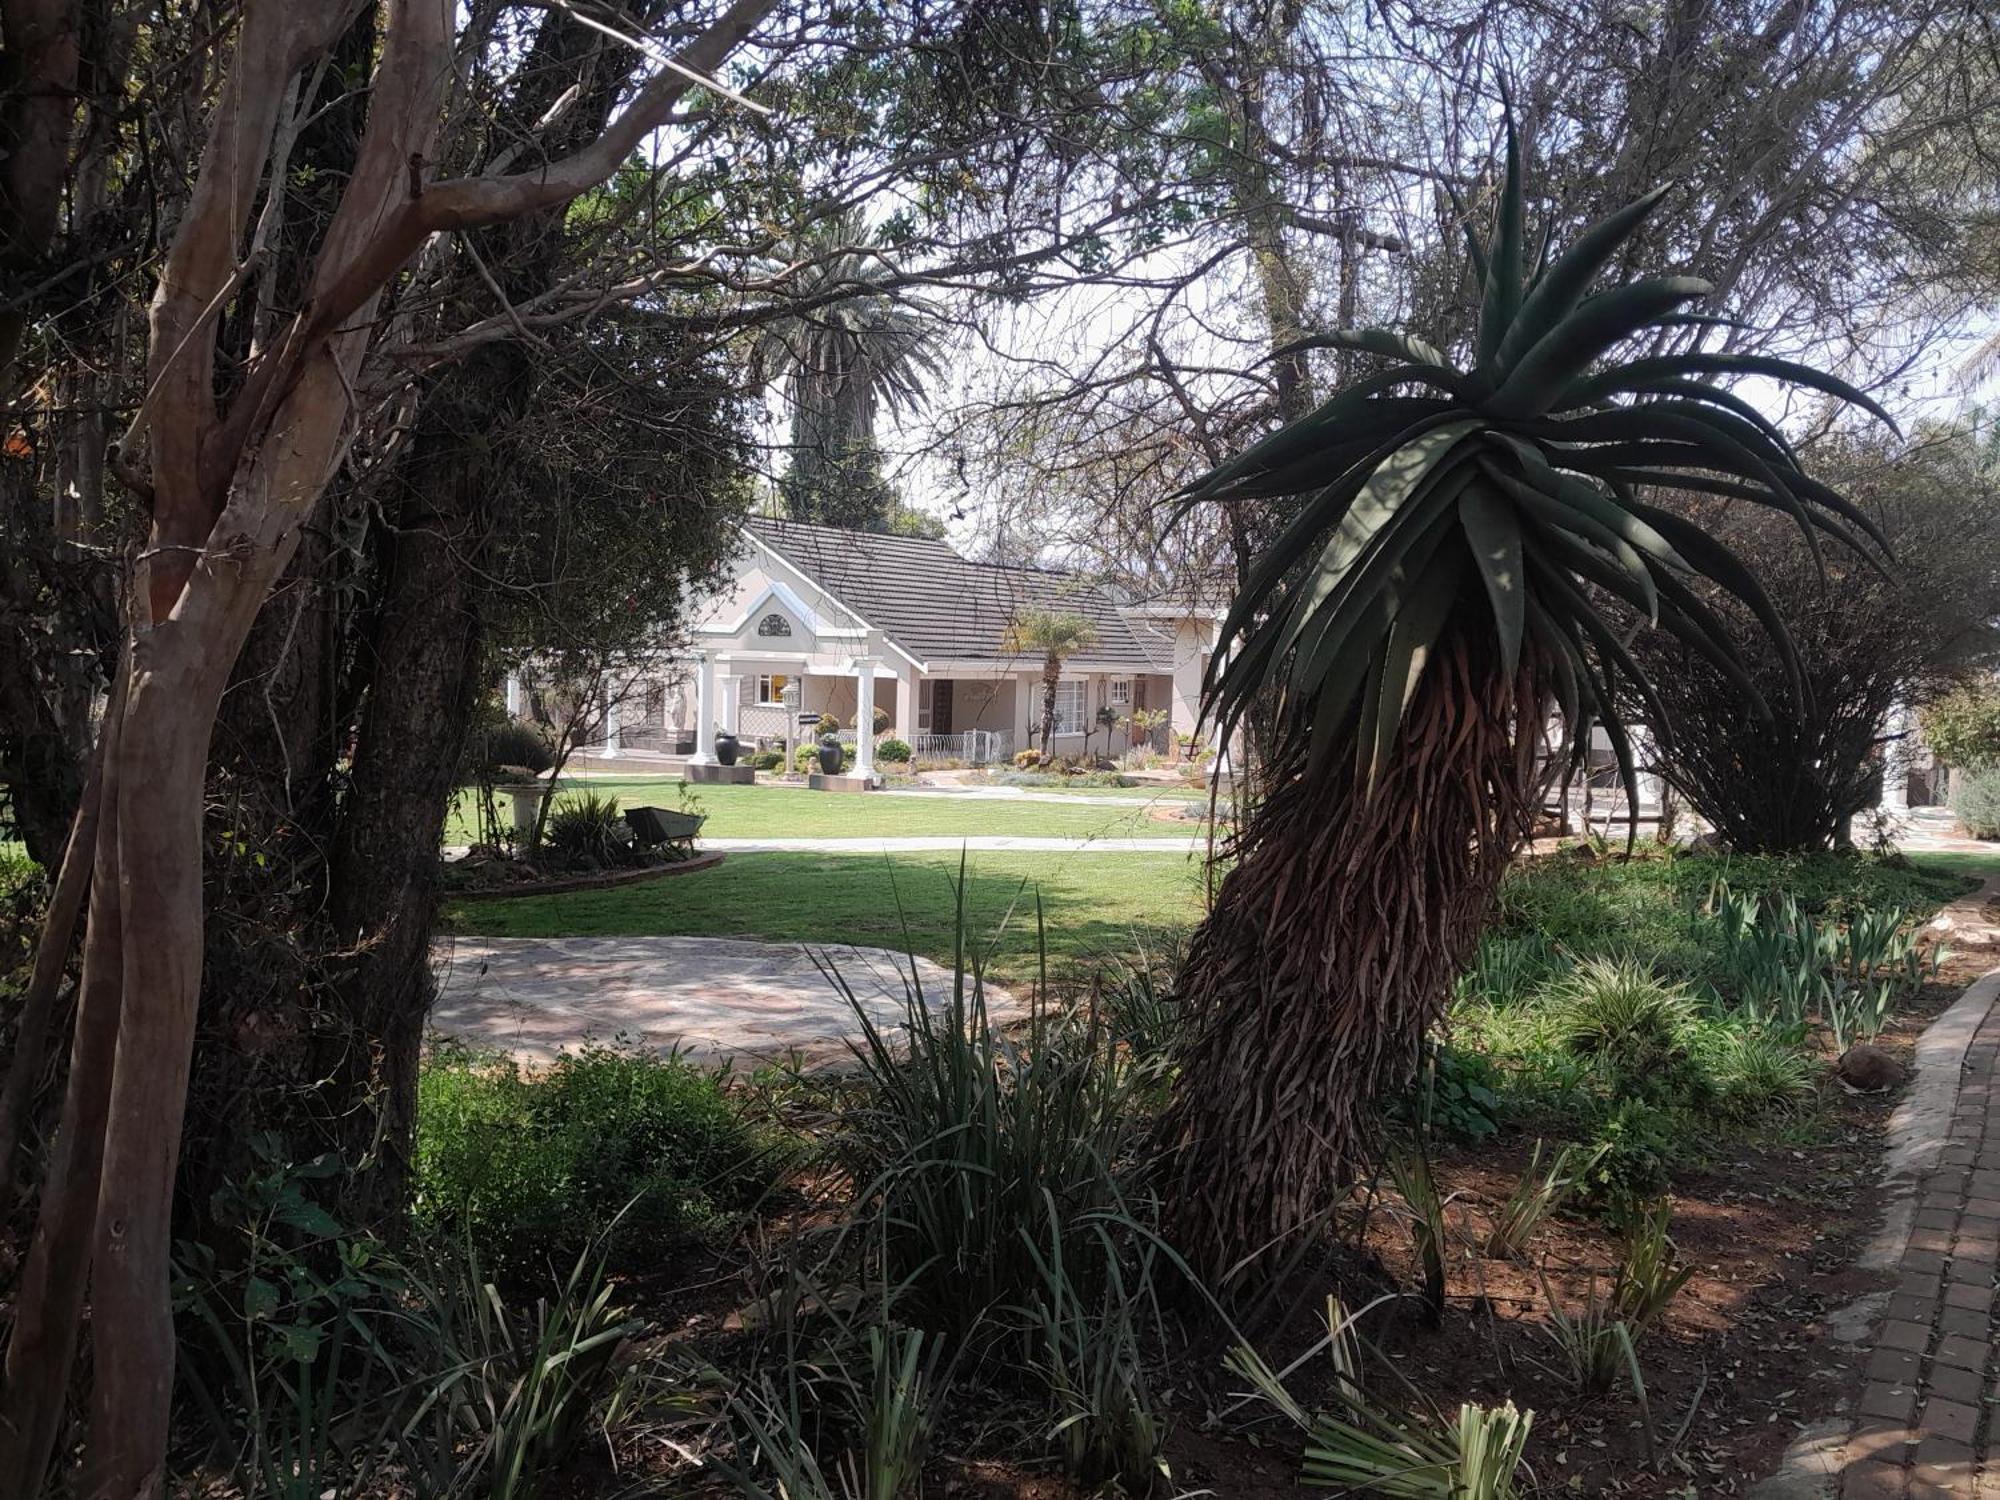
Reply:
x=515, y=743
x=1630, y=1170
x=976, y=1150
x=828, y=727
x=533, y=1167
x=764, y=760
x=1755, y=1071
x=1963, y=727
x=1457, y=1093
x=1976, y=800
x=585, y=828
x=1027, y=760
x=1616, y=1009
x=893, y=750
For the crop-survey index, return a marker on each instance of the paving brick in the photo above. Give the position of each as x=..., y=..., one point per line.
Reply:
x=1982, y=1206
x=1942, y=1461
x=1967, y=1354
x=1928, y=1284
x=1917, y=1309
x=1972, y=1269
x=1937, y=1218
x=1955, y=1420
x=1922, y=1260
x=1969, y=1322
x=1896, y=1334
x=1958, y=1294
x=1949, y=1383
x=1872, y=1479
x=1892, y=1367
x=1892, y=1401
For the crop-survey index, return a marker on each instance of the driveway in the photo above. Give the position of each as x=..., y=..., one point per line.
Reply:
x=715, y=998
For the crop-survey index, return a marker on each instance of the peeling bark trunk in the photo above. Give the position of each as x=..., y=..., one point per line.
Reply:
x=1331, y=950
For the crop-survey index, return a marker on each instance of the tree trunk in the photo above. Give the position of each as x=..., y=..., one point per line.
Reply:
x=1051, y=675
x=1331, y=950
x=425, y=683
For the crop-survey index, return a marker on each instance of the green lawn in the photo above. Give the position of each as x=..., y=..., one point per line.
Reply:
x=1959, y=862
x=1089, y=902
x=795, y=812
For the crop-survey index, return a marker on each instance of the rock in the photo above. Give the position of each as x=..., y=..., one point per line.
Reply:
x=1867, y=1069
x=1706, y=843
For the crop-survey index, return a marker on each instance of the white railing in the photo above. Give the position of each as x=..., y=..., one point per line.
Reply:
x=976, y=747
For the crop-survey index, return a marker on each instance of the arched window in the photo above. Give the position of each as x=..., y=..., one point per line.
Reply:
x=774, y=624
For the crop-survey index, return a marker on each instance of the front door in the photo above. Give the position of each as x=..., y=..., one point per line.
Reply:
x=941, y=706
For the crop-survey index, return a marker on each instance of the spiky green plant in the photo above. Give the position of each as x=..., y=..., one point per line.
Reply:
x=1465, y=543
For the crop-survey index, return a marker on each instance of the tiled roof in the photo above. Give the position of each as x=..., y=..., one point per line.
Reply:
x=938, y=606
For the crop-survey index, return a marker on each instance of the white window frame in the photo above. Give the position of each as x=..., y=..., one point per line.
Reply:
x=1118, y=693
x=1072, y=705
x=768, y=692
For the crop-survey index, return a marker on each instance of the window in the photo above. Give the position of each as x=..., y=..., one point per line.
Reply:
x=771, y=689
x=926, y=697
x=1069, y=708
x=774, y=624
x=1121, y=692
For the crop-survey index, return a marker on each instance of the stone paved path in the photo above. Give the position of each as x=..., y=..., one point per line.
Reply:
x=715, y=998
x=1927, y=1423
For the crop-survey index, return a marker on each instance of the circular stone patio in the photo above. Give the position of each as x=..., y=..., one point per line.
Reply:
x=714, y=998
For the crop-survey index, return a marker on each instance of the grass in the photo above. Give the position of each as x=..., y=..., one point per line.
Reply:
x=1978, y=866
x=1091, y=903
x=757, y=812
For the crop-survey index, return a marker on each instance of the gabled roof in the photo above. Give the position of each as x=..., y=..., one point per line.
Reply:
x=938, y=606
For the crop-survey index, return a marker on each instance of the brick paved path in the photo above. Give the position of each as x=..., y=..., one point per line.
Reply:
x=1932, y=1380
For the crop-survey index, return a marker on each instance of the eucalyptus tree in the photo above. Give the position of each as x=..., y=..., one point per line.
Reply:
x=1457, y=533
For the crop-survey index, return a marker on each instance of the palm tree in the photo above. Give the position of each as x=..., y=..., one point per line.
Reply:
x=1460, y=540
x=1055, y=636
x=854, y=346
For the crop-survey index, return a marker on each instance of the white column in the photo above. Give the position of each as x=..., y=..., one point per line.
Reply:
x=864, y=719
x=732, y=701
x=905, y=726
x=1644, y=753
x=704, y=712
x=1896, y=762
x=513, y=696
x=610, y=724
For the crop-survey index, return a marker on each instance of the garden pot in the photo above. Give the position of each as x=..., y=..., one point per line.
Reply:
x=830, y=757
x=725, y=749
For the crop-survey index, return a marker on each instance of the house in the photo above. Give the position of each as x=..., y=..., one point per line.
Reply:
x=918, y=631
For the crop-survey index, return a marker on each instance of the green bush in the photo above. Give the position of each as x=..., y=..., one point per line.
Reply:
x=1963, y=727
x=533, y=1166
x=1629, y=1173
x=1617, y=1010
x=1456, y=1094
x=586, y=829
x=893, y=750
x=1976, y=800
x=1754, y=1071
x=514, y=743
x=764, y=760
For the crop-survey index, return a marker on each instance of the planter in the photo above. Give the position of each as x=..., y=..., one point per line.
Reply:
x=725, y=749
x=830, y=757
x=527, y=797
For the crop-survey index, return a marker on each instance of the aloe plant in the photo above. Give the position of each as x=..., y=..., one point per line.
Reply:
x=1466, y=542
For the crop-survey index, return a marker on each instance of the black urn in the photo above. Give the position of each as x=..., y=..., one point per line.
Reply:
x=726, y=749
x=830, y=757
